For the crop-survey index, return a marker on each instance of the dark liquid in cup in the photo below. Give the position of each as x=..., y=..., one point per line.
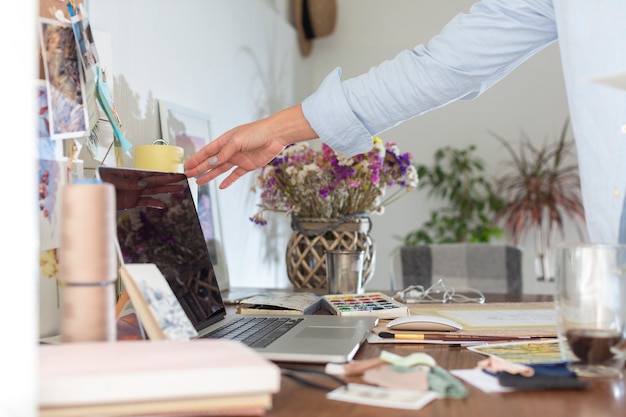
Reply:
x=592, y=346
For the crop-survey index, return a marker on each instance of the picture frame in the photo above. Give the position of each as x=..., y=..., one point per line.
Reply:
x=191, y=130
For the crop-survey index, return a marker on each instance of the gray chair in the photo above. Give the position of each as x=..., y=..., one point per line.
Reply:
x=490, y=268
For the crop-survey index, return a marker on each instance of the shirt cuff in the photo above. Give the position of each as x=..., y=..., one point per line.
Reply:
x=330, y=115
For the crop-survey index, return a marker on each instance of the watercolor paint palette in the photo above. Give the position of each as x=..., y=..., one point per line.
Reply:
x=368, y=304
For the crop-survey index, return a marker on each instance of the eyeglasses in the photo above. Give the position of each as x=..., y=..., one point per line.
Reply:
x=439, y=293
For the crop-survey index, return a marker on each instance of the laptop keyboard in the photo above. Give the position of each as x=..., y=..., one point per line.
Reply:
x=256, y=332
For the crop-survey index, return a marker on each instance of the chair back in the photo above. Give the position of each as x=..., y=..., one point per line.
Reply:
x=492, y=268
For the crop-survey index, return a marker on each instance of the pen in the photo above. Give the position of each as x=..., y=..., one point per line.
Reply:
x=447, y=338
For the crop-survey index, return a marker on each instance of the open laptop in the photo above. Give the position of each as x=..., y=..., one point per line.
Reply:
x=157, y=222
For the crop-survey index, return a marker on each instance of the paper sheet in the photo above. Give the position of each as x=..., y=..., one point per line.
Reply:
x=498, y=319
x=481, y=380
x=504, y=317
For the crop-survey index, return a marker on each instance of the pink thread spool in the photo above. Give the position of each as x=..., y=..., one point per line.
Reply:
x=88, y=262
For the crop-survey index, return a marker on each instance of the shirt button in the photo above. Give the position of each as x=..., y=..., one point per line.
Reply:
x=616, y=193
x=624, y=129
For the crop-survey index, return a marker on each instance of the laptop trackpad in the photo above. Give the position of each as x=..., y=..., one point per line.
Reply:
x=320, y=332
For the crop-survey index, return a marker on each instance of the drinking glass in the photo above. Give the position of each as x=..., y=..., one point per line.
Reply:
x=591, y=307
x=344, y=271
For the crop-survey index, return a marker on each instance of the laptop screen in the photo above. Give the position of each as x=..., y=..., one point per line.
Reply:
x=157, y=223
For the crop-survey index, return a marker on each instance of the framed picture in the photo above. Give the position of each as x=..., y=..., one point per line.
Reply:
x=191, y=130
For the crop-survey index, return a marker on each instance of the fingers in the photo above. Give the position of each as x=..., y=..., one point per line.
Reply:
x=206, y=177
x=151, y=202
x=213, y=173
x=234, y=176
x=202, y=160
x=212, y=155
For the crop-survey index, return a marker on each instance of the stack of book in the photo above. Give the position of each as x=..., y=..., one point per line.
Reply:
x=157, y=378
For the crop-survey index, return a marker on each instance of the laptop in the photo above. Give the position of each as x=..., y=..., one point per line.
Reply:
x=157, y=222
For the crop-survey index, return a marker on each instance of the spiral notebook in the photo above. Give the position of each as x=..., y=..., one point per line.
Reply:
x=157, y=223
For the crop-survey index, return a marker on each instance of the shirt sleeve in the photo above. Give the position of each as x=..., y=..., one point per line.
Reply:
x=473, y=51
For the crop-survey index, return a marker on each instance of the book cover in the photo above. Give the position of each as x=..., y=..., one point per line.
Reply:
x=238, y=405
x=91, y=373
x=160, y=313
x=281, y=303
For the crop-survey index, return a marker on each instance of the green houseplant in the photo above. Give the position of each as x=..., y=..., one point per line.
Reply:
x=540, y=189
x=457, y=177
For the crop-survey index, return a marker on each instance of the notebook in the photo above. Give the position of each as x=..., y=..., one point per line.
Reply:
x=157, y=222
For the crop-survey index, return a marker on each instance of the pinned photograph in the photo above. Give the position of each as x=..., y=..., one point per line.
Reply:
x=85, y=42
x=61, y=62
x=50, y=176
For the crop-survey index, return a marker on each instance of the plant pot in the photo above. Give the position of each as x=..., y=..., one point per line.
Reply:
x=312, y=237
x=544, y=258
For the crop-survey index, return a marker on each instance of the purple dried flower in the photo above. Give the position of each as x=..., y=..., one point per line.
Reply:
x=325, y=184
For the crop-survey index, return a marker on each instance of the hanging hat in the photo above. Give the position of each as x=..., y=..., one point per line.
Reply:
x=313, y=19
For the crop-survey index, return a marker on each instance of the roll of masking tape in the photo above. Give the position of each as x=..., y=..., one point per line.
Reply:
x=159, y=157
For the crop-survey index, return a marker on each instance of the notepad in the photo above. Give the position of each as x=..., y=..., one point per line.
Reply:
x=368, y=304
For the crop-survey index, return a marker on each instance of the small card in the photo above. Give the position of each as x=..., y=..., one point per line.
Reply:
x=158, y=309
x=382, y=397
x=480, y=379
x=528, y=352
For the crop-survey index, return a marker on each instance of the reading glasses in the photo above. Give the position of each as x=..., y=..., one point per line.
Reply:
x=439, y=293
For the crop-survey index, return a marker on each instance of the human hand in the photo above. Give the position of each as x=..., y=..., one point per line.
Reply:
x=248, y=147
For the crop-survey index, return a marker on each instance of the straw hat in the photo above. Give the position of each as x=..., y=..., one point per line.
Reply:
x=313, y=19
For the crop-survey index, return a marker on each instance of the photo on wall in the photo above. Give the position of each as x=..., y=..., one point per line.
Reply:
x=64, y=78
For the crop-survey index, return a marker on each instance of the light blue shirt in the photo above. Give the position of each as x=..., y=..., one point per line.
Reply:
x=473, y=52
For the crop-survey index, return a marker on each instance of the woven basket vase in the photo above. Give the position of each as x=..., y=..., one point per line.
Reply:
x=312, y=237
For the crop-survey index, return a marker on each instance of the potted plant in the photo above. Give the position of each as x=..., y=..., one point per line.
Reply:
x=540, y=189
x=457, y=176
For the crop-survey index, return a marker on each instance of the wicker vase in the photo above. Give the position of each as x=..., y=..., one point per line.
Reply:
x=312, y=237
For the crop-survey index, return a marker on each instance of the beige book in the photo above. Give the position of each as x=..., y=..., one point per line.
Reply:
x=239, y=405
x=179, y=373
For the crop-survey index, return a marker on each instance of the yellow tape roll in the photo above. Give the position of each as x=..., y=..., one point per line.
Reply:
x=159, y=158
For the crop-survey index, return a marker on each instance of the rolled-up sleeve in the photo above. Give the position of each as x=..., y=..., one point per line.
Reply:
x=332, y=118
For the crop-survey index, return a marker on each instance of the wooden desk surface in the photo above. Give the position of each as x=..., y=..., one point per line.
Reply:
x=604, y=398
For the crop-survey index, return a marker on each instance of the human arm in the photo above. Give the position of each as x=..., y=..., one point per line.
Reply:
x=473, y=52
x=248, y=147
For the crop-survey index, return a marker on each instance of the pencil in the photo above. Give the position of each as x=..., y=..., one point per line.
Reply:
x=448, y=338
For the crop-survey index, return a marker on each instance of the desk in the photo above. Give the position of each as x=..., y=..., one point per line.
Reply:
x=604, y=398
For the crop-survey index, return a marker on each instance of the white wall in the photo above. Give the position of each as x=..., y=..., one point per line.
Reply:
x=237, y=60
